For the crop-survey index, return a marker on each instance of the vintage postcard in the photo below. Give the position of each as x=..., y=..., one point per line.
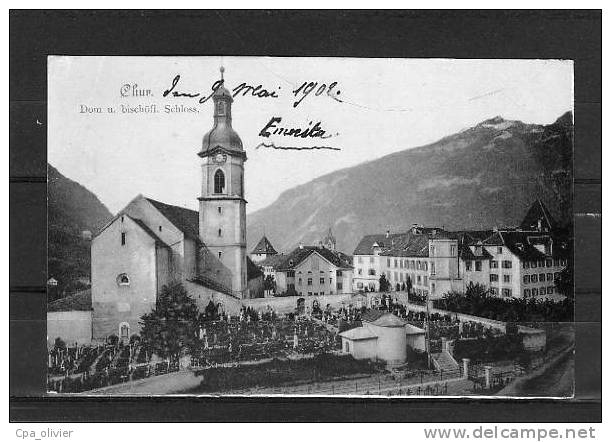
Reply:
x=310, y=226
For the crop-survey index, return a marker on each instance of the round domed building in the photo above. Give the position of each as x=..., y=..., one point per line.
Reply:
x=383, y=336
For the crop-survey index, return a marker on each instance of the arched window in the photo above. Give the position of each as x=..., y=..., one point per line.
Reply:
x=123, y=279
x=219, y=182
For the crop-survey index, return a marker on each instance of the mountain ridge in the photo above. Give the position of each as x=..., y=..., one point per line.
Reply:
x=530, y=159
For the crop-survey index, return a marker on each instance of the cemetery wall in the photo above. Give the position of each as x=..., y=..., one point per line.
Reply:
x=71, y=326
x=288, y=304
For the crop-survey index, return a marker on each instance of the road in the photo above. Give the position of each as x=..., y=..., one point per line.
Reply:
x=185, y=382
x=554, y=380
x=171, y=383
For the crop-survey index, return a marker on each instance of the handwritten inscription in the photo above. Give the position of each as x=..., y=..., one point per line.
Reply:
x=307, y=88
x=244, y=89
x=273, y=146
x=274, y=128
x=310, y=132
x=256, y=91
x=172, y=91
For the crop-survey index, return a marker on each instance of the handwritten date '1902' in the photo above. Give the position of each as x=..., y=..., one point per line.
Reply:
x=307, y=88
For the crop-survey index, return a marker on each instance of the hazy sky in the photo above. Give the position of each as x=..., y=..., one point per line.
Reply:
x=388, y=105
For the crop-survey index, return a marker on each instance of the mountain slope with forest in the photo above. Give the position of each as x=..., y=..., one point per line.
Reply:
x=71, y=210
x=481, y=177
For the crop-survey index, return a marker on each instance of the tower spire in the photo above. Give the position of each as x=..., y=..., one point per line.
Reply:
x=222, y=69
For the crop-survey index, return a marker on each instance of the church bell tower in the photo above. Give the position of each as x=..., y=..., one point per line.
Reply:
x=222, y=207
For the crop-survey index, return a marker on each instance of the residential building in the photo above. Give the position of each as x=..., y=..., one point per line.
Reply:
x=424, y=258
x=384, y=337
x=310, y=271
x=510, y=262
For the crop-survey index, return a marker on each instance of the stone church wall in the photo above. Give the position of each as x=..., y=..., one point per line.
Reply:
x=113, y=302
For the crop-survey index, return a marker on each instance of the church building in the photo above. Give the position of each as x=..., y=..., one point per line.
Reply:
x=150, y=244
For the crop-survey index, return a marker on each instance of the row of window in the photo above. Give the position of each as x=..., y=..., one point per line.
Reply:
x=371, y=286
x=504, y=292
x=421, y=292
x=494, y=264
x=542, y=277
x=320, y=293
x=291, y=273
x=495, y=278
x=549, y=290
x=423, y=267
x=469, y=265
x=506, y=264
x=544, y=263
x=321, y=280
x=407, y=264
x=401, y=277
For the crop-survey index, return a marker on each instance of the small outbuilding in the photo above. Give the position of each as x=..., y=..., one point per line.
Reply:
x=383, y=336
x=359, y=342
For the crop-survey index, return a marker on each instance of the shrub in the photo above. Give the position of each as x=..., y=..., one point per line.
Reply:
x=477, y=301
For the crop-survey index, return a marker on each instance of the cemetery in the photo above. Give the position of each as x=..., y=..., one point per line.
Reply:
x=263, y=349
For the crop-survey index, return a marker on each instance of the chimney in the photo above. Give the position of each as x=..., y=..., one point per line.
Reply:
x=300, y=244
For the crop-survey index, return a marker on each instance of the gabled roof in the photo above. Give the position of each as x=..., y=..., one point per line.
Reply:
x=467, y=253
x=298, y=255
x=358, y=334
x=409, y=244
x=365, y=245
x=538, y=212
x=472, y=236
x=79, y=301
x=414, y=242
x=264, y=246
x=148, y=231
x=494, y=240
x=413, y=330
x=522, y=244
x=138, y=222
x=372, y=314
x=384, y=320
x=186, y=220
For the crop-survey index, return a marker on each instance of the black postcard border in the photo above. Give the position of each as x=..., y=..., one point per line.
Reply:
x=559, y=34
